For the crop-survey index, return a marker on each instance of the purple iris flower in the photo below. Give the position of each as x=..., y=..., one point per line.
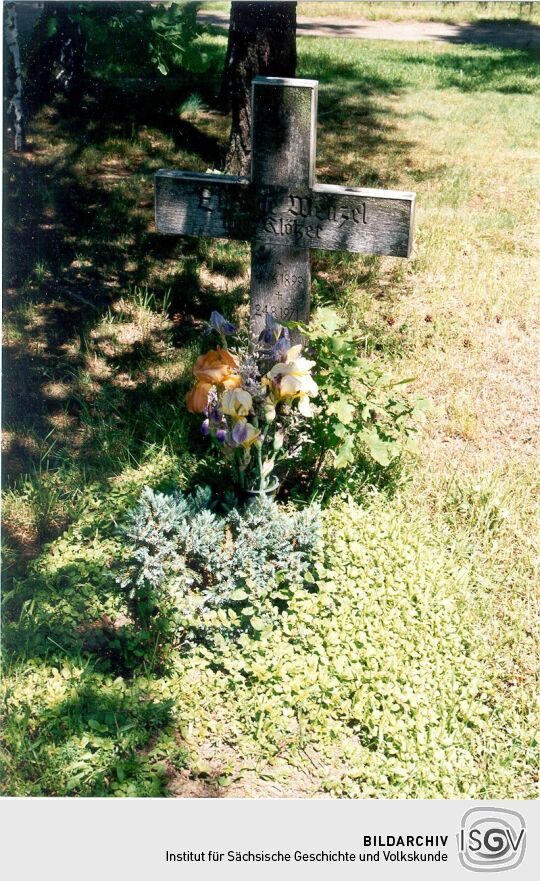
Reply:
x=282, y=346
x=271, y=331
x=219, y=323
x=239, y=433
x=205, y=427
x=221, y=435
x=215, y=414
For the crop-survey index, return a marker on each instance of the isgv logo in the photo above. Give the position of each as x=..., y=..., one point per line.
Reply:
x=491, y=839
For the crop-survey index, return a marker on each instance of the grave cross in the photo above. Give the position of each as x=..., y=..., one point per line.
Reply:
x=281, y=209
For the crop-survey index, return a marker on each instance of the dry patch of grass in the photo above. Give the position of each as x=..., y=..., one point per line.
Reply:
x=464, y=310
x=431, y=11
x=476, y=272
x=408, y=10
x=219, y=771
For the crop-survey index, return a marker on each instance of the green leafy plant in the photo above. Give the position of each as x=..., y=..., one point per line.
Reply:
x=159, y=36
x=174, y=29
x=360, y=408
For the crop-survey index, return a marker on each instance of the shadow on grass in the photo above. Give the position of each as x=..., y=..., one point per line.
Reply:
x=507, y=33
x=78, y=236
x=513, y=71
x=101, y=738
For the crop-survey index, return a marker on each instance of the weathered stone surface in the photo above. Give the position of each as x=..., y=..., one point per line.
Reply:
x=281, y=210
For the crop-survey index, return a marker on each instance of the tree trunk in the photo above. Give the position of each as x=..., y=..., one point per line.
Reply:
x=72, y=57
x=262, y=42
x=15, y=111
x=58, y=56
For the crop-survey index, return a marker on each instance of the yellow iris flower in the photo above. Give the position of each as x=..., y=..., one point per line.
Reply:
x=236, y=403
x=292, y=379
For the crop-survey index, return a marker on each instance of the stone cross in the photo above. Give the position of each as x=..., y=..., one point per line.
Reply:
x=280, y=209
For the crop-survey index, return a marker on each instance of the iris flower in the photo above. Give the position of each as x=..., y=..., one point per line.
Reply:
x=282, y=346
x=271, y=332
x=236, y=403
x=219, y=323
x=244, y=433
x=217, y=367
x=292, y=379
x=197, y=398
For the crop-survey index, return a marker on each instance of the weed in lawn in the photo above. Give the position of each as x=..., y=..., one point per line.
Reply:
x=144, y=300
x=39, y=272
x=462, y=418
x=192, y=105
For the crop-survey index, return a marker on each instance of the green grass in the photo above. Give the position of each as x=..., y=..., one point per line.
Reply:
x=446, y=11
x=419, y=704
x=73, y=731
x=102, y=321
x=425, y=11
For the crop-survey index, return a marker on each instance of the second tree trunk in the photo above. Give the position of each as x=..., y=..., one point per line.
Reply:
x=262, y=42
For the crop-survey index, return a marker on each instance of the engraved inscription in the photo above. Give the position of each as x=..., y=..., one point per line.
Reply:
x=219, y=200
x=286, y=278
x=326, y=218
x=279, y=310
x=303, y=206
x=295, y=228
x=305, y=220
x=292, y=216
x=286, y=287
x=205, y=200
x=300, y=206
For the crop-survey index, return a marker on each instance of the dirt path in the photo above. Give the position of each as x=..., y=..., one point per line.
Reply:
x=508, y=34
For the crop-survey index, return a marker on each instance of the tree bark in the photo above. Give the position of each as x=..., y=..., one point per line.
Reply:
x=58, y=56
x=15, y=111
x=262, y=42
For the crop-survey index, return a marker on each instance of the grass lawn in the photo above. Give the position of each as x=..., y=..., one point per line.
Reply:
x=450, y=12
x=411, y=670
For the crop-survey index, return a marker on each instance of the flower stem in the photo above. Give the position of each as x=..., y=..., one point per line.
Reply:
x=259, y=458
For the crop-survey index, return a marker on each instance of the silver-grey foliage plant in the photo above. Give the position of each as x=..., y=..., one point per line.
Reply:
x=185, y=562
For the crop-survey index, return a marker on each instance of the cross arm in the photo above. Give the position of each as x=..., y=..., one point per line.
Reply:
x=364, y=220
x=333, y=218
x=192, y=204
x=326, y=217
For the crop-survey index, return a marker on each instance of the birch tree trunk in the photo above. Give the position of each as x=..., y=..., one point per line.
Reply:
x=262, y=42
x=15, y=110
